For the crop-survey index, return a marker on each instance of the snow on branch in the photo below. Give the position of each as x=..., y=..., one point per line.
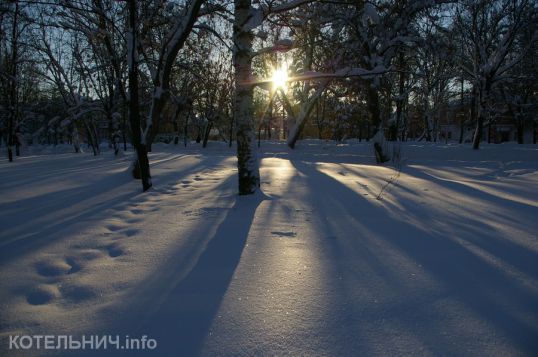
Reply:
x=257, y=15
x=342, y=73
x=281, y=45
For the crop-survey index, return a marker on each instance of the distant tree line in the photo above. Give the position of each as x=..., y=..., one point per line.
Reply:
x=135, y=72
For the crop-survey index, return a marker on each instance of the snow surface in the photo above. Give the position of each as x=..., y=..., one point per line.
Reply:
x=445, y=263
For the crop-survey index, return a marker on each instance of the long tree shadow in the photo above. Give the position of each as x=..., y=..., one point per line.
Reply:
x=492, y=295
x=183, y=315
x=34, y=230
x=467, y=188
x=476, y=230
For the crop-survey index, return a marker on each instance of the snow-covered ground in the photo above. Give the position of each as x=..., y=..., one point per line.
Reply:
x=443, y=262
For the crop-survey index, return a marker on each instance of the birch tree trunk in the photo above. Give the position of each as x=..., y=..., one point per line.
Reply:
x=247, y=160
x=400, y=103
x=306, y=109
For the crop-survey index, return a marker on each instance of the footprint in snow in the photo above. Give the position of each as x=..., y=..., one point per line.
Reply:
x=76, y=293
x=114, y=250
x=131, y=232
x=41, y=294
x=75, y=266
x=86, y=255
x=284, y=234
x=57, y=267
x=114, y=227
x=52, y=268
x=133, y=220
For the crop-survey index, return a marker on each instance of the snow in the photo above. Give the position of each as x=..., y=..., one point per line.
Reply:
x=445, y=263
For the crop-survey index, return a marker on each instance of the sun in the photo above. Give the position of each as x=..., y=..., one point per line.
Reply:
x=279, y=78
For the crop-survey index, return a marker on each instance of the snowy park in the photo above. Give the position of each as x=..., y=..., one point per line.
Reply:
x=269, y=178
x=334, y=256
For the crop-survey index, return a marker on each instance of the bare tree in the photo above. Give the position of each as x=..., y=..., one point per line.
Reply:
x=490, y=28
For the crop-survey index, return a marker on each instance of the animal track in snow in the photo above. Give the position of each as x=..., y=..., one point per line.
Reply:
x=84, y=255
x=41, y=294
x=52, y=268
x=131, y=232
x=114, y=227
x=76, y=293
x=57, y=267
x=75, y=266
x=114, y=250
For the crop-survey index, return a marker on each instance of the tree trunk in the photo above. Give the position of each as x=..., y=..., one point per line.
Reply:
x=401, y=89
x=247, y=160
x=134, y=109
x=161, y=78
x=479, y=128
x=176, y=124
x=13, y=92
x=520, y=131
x=231, y=134
x=483, y=95
x=427, y=135
x=306, y=109
x=75, y=139
x=89, y=135
x=462, y=117
x=375, y=115
x=186, y=130
x=373, y=108
x=206, y=133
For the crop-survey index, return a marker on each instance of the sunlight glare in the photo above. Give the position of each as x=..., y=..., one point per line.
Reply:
x=279, y=78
